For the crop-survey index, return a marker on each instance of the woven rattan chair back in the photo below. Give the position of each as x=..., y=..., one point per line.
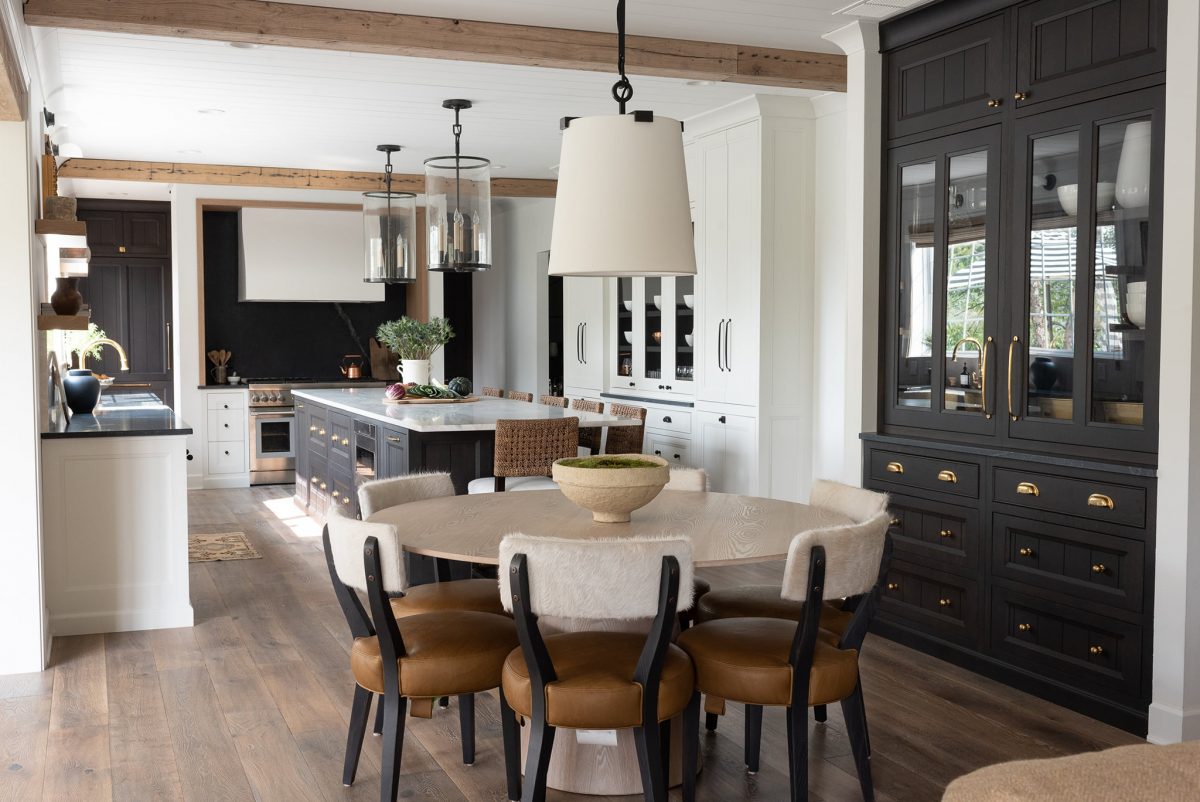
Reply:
x=493, y=392
x=590, y=437
x=626, y=439
x=530, y=447
x=553, y=401
x=517, y=395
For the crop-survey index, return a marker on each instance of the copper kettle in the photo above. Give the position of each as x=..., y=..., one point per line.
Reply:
x=352, y=366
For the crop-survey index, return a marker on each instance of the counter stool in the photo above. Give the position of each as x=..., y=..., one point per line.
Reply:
x=524, y=453
x=517, y=395
x=553, y=401
x=493, y=392
x=589, y=438
x=626, y=439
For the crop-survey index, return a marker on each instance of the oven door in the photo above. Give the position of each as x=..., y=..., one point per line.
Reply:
x=274, y=447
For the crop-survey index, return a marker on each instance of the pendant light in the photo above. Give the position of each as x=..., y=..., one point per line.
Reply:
x=458, y=206
x=622, y=205
x=389, y=228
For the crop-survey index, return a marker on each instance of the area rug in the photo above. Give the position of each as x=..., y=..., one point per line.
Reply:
x=221, y=546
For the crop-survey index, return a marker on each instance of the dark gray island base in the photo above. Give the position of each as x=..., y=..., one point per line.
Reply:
x=130, y=415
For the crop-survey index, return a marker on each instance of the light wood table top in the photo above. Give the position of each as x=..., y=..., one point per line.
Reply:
x=725, y=529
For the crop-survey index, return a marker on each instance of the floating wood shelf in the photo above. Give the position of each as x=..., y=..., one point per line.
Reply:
x=62, y=228
x=63, y=322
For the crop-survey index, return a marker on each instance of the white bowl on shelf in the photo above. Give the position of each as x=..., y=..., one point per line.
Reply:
x=628, y=337
x=687, y=338
x=1068, y=197
x=1135, y=303
x=689, y=301
x=628, y=305
x=658, y=302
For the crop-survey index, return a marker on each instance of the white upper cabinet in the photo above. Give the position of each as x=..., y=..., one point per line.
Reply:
x=583, y=333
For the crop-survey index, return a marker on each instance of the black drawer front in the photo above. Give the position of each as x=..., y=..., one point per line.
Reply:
x=932, y=601
x=931, y=532
x=956, y=477
x=1080, y=648
x=1085, y=498
x=1088, y=566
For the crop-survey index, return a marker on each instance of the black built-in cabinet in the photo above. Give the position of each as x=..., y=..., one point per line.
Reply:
x=1018, y=412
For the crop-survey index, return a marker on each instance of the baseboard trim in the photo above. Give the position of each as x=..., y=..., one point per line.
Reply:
x=1170, y=725
x=122, y=621
x=239, y=480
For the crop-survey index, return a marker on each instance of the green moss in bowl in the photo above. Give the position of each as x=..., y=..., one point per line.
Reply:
x=607, y=462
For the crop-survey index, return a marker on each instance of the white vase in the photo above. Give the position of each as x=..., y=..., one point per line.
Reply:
x=415, y=370
x=1133, y=170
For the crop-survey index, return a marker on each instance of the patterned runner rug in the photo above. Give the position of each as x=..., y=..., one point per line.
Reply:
x=221, y=546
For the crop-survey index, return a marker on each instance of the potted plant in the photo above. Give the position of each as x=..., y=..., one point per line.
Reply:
x=82, y=387
x=415, y=343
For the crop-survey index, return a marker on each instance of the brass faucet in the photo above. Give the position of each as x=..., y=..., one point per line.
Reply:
x=971, y=340
x=104, y=341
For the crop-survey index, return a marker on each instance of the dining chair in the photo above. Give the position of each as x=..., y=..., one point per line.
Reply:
x=517, y=395
x=693, y=480
x=525, y=452
x=626, y=439
x=599, y=678
x=553, y=401
x=778, y=662
x=412, y=660
x=589, y=438
x=493, y=392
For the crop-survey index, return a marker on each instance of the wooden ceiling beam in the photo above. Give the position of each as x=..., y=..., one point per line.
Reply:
x=284, y=177
x=14, y=96
x=291, y=25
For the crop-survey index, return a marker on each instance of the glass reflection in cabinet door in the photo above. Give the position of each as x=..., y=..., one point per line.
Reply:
x=684, y=311
x=966, y=282
x=624, y=327
x=1119, y=279
x=653, y=328
x=1053, y=252
x=914, y=356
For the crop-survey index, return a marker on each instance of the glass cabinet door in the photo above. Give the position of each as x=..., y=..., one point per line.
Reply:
x=1083, y=352
x=622, y=369
x=942, y=273
x=682, y=314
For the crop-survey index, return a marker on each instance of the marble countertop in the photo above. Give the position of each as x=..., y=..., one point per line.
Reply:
x=478, y=416
x=124, y=415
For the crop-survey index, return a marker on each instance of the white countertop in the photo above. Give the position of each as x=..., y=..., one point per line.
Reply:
x=478, y=416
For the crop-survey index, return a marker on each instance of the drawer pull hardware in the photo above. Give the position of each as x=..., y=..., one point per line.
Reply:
x=336, y=494
x=333, y=438
x=947, y=533
x=345, y=441
x=1101, y=500
x=324, y=486
x=948, y=476
x=1099, y=568
x=1012, y=344
x=321, y=432
x=893, y=586
x=895, y=522
x=895, y=467
x=1025, y=551
x=312, y=428
x=666, y=418
x=1020, y=96
x=1028, y=489
x=1024, y=627
x=994, y=103
x=313, y=480
x=1096, y=650
x=983, y=378
x=345, y=499
x=393, y=439
x=943, y=602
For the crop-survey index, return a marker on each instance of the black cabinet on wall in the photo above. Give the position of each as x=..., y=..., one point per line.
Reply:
x=1020, y=341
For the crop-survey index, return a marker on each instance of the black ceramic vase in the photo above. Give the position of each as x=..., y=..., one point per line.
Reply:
x=82, y=389
x=66, y=299
x=1043, y=372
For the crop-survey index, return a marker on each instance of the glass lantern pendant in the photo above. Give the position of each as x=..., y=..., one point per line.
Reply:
x=458, y=206
x=389, y=228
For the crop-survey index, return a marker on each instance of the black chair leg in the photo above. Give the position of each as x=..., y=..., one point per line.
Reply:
x=393, y=748
x=512, y=748
x=537, y=762
x=664, y=749
x=855, y=714
x=710, y=721
x=820, y=713
x=691, y=747
x=754, y=715
x=798, y=751
x=466, y=722
x=379, y=715
x=654, y=784
x=443, y=701
x=360, y=711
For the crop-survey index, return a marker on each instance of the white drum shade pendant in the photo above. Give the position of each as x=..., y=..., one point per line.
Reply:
x=458, y=206
x=389, y=228
x=622, y=205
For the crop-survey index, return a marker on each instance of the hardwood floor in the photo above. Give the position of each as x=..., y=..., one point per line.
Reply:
x=252, y=703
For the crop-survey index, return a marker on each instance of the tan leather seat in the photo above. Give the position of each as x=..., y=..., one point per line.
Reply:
x=746, y=660
x=479, y=595
x=446, y=654
x=763, y=601
x=595, y=687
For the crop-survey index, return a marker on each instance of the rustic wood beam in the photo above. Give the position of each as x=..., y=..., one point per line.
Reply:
x=14, y=96
x=290, y=25
x=287, y=177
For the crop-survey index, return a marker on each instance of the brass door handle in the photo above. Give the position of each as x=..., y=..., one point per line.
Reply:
x=983, y=378
x=1099, y=568
x=946, y=533
x=1100, y=500
x=1096, y=650
x=895, y=467
x=1025, y=551
x=948, y=476
x=1024, y=627
x=1011, y=347
x=1027, y=489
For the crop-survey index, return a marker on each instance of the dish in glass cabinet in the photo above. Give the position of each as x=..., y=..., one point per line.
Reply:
x=628, y=337
x=689, y=301
x=687, y=338
x=628, y=305
x=658, y=302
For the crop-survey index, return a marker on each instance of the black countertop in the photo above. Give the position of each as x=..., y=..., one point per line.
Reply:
x=127, y=415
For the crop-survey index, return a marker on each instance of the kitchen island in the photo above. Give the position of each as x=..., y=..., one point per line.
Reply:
x=114, y=513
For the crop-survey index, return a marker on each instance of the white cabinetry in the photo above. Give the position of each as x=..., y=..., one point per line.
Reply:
x=227, y=446
x=729, y=451
x=583, y=330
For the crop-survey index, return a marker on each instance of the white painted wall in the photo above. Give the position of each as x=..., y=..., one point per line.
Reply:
x=1175, y=710
x=521, y=229
x=489, y=321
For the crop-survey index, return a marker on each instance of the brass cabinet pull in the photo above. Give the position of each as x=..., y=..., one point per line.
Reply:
x=983, y=377
x=336, y=494
x=333, y=438
x=321, y=432
x=1096, y=650
x=345, y=441
x=312, y=428
x=894, y=522
x=1024, y=627
x=895, y=467
x=1011, y=346
x=1101, y=500
x=345, y=499
x=1025, y=551
x=391, y=438
x=324, y=486
x=943, y=602
x=994, y=103
x=1099, y=568
x=1027, y=489
x=1020, y=96
x=893, y=586
x=313, y=480
x=947, y=533
x=948, y=476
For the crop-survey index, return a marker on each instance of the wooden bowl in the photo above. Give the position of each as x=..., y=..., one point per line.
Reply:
x=613, y=493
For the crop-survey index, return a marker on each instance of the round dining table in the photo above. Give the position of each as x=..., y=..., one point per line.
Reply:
x=725, y=529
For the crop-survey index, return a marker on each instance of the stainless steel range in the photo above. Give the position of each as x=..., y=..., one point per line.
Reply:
x=273, y=440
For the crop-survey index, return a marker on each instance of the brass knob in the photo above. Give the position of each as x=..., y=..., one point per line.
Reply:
x=1096, y=650
x=943, y=602
x=894, y=522
x=1100, y=500
x=1027, y=489
x=312, y=428
x=994, y=103
x=947, y=533
x=1024, y=627
x=948, y=476
x=893, y=586
x=120, y=249
x=345, y=499
x=1020, y=96
x=1099, y=568
x=1025, y=551
x=324, y=486
x=333, y=438
x=345, y=441
x=336, y=494
x=321, y=432
x=895, y=467
x=313, y=480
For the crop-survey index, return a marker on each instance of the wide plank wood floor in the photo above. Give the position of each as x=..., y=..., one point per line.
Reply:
x=252, y=702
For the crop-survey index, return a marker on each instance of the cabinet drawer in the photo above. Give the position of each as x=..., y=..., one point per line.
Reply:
x=1077, y=647
x=318, y=432
x=341, y=435
x=1086, y=498
x=937, y=602
x=226, y=400
x=226, y=425
x=669, y=420
x=928, y=473
x=226, y=458
x=1088, y=566
x=676, y=452
x=931, y=532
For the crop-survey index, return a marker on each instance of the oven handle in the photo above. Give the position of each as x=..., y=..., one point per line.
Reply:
x=254, y=414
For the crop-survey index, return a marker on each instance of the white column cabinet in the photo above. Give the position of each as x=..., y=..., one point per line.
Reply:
x=729, y=451
x=583, y=330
